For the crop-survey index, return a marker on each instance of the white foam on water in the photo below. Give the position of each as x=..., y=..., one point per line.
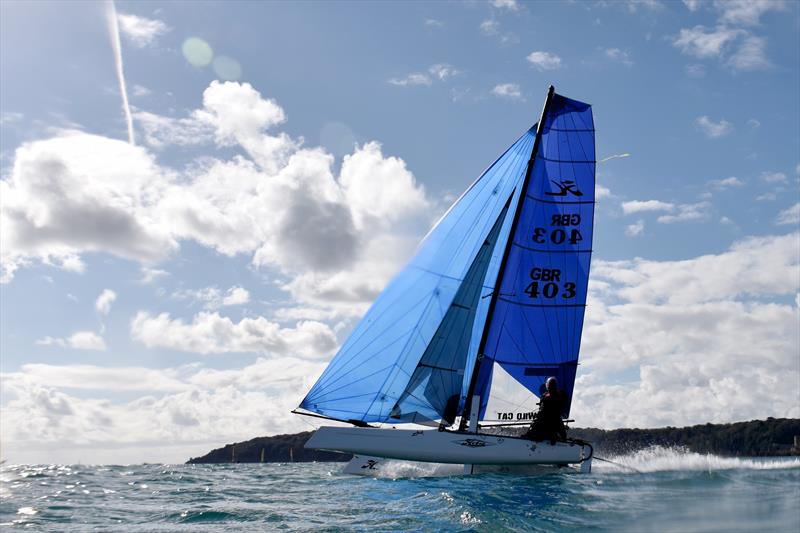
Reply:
x=665, y=459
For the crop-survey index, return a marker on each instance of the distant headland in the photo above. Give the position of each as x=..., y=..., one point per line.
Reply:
x=770, y=437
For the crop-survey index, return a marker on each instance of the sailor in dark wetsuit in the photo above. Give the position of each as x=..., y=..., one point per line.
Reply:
x=547, y=424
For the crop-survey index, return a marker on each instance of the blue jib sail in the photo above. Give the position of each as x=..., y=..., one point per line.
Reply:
x=536, y=324
x=373, y=369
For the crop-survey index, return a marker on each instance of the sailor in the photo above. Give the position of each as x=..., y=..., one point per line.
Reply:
x=547, y=424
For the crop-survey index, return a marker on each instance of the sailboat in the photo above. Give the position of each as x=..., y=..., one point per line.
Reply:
x=500, y=281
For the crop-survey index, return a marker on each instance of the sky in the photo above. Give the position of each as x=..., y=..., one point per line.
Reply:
x=199, y=200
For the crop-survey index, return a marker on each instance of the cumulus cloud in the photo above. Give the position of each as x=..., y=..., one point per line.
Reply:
x=726, y=183
x=276, y=200
x=80, y=340
x=510, y=5
x=696, y=211
x=437, y=72
x=507, y=90
x=104, y=301
x=746, y=12
x=703, y=42
x=637, y=206
x=415, y=78
x=635, y=229
x=544, y=60
x=621, y=56
x=790, y=215
x=773, y=177
x=140, y=31
x=211, y=333
x=713, y=130
x=697, y=329
x=750, y=55
x=213, y=297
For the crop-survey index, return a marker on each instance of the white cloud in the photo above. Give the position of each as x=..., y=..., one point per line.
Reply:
x=80, y=340
x=713, y=130
x=746, y=12
x=507, y=90
x=692, y=5
x=490, y=27
x=141, y=90
x=210, y=333
x=213, y=298
x=602, y=192
x=637, y=206
x=510, y=5
x=141, y=31
x=278, y=202
x=149, y=275
x=750, y=55
x=696, y=71
x=415, y=78
x=754, y=123
x=437, y=72
x=104, y=301
x=705, y=43
x=696, y=211
x=637, y=228
x=443, y=71
x=773, y=177
x=790, y=215
x=236, y=296
x=544, y=60
x=434, y=23
x=621, y=56
x=56, y=206
x=726, y=183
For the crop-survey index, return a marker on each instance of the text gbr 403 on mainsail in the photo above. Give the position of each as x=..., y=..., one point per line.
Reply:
x=501, y=280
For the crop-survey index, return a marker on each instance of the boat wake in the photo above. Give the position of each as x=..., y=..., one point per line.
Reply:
x=665, y=459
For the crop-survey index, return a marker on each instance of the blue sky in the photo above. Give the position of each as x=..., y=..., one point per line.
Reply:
x=169, y=295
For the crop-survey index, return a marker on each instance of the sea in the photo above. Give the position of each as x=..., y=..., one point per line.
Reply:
x=658, y=489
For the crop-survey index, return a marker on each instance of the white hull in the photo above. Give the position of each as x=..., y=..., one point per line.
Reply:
x=447, y=447
x=370, y=466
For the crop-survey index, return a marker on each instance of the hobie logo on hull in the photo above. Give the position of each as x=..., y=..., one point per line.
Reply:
x=473, y=443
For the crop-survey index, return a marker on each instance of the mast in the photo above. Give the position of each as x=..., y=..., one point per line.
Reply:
x=484, y=336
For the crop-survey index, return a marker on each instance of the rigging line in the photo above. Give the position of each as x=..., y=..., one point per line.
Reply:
x=618, y=464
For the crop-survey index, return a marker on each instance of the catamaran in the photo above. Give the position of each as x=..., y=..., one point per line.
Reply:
x=500, y=281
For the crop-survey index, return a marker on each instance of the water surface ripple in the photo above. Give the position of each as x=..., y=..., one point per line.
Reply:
x=669, y=491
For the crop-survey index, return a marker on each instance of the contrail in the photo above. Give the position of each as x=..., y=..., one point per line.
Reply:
x=615, y=156
x=113, y=32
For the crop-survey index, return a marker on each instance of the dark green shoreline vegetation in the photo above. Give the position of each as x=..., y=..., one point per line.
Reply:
x=770, y=437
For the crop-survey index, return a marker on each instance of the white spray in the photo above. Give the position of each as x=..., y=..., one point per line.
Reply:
x=113, y=32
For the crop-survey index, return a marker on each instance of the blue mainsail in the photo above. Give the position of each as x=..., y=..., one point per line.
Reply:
x=536, y=323
x=414, y=355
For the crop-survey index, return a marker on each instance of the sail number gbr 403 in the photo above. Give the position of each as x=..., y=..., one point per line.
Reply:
x=547, y=282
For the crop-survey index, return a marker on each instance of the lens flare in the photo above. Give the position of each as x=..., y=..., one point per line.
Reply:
x=197, y=51
x=227, y=68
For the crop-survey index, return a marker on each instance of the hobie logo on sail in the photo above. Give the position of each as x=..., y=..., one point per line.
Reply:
x=565, y=187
